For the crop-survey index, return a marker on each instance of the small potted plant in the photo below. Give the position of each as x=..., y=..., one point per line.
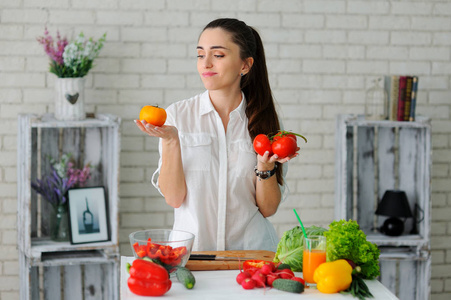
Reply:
x=70, y=62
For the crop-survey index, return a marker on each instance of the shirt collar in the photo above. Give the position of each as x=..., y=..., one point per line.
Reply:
x=207, y=107
x=205, y=104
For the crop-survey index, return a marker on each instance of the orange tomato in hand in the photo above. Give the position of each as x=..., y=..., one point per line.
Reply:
x=153, y=114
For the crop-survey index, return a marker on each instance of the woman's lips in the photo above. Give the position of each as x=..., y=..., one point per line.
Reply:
x=208, y=74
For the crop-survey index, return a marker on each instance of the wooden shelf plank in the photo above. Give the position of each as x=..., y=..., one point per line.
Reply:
x=40, y=246
x=359, y=120
x=49, y=121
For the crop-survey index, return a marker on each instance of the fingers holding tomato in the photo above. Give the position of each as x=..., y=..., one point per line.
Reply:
x=152, y=120
x=282, y=146
x=165, y=132
x=285, y=159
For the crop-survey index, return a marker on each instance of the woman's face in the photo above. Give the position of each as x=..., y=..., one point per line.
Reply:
x=219, y=63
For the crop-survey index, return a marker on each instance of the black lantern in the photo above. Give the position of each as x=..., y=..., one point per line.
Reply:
x=394, y=204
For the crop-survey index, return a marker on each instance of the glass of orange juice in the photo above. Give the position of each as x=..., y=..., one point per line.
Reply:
x=314, y=255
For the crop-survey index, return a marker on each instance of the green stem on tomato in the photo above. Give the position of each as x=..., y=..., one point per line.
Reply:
x=284, y=132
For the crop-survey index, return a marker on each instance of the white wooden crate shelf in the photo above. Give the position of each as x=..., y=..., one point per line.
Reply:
x=81, y=271
x=375, y=156
x=42, y=246
x=46, y=244
x=404, y=240
x=73, y=258
x=409, y=253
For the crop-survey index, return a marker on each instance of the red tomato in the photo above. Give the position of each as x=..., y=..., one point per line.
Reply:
x=262, y=144
x=153, y=114
x=284, y=146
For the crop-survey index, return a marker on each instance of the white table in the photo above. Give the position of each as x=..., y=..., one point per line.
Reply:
x=222, y=285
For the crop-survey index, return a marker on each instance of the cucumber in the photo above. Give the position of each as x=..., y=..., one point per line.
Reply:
x=283, y=267
x=185, y=276
x=288, y=285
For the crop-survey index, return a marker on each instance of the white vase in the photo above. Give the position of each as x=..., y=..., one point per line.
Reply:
x=69, y=99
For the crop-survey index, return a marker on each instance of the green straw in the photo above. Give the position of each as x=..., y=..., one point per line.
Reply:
x=302, y=226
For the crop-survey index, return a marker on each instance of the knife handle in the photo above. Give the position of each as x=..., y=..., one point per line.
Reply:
x=202, y=257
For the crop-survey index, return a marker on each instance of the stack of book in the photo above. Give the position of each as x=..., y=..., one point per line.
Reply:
x=402, y=97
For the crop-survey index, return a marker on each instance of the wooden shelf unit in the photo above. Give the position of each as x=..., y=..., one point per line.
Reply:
x=81, y=271
x=370, y=158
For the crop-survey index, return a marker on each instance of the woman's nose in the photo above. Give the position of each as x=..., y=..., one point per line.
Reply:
x=208, y=62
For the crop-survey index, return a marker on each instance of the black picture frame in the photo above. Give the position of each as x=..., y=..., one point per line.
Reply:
x=88, y=215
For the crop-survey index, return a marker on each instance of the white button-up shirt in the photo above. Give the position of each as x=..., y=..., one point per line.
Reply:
x=220, y=206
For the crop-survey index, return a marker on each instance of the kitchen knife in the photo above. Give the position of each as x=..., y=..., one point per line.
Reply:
x=215, y=257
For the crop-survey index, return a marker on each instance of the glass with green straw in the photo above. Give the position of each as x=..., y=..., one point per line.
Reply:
x=302, y=225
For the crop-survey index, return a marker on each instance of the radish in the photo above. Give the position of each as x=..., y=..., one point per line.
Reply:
x=259, y=279
x=298, y=279
x=352, y=263
x=248, y=284
x=285, y=274
x=266, y=269
x=241, y=276
x=270, y=278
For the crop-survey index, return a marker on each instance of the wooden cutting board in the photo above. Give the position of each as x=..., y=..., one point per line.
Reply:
x=206, y=265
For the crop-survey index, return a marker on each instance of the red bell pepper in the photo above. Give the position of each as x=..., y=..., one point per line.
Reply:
x=140, y=250
x=253, y=265
x=148, y=278
x=165, y=254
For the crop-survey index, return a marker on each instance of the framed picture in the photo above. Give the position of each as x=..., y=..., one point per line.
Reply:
x=88, y=220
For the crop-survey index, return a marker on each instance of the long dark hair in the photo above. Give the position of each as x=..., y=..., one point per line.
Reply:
x=260, y=110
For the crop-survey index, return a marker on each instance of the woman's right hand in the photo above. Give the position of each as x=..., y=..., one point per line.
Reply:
x=165, y=132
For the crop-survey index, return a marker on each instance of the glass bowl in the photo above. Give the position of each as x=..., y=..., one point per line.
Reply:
x=170, y=248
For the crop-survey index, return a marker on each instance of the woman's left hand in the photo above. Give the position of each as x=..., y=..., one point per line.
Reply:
x=267, y=162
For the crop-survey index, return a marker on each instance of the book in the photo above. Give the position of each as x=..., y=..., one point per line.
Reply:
x=391, y=84
x=401, y=98
x=408, y=99
x=413, y=98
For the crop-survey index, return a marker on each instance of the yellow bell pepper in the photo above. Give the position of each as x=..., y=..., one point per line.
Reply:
x=333, y=277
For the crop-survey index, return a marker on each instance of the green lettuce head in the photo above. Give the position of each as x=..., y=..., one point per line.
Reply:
x=291, y=246
x=345, y=240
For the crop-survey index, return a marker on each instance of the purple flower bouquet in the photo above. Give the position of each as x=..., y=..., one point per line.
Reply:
x=53, y=187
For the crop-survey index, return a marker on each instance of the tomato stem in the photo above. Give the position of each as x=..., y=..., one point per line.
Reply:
x=284, y=132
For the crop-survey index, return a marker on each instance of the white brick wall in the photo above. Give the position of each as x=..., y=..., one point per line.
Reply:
x=321, y=55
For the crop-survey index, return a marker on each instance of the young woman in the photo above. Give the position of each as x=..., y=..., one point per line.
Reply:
x=222, y=191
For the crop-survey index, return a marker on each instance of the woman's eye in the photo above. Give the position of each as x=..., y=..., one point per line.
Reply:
x=219, y=56
x=200, y=56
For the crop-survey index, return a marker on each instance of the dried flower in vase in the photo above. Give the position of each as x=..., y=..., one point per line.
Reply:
x=53, y=187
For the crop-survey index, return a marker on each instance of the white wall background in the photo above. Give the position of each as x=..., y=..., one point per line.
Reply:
x=322, y=56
